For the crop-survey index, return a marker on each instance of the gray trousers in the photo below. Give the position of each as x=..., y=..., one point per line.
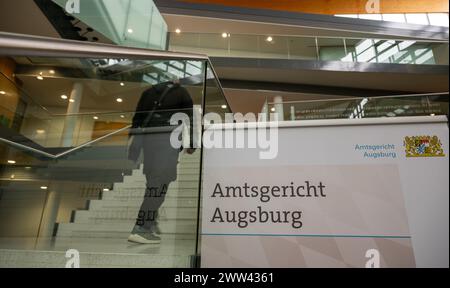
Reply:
x=155, y=193
x=160, y=166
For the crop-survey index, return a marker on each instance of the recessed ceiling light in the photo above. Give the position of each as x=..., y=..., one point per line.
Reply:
x=122, y=116
x=40, y=131
x=64, y=97
x=44, y=187
x=119, y=100
x=95, y=118
x=71, y=100
x=2, y=92
x=51, y=71
x=11, y=162
x=130, y=30
x=39, y=77
x=178, y=31
x=269, y=39
x=224, y=106
x=122, y=84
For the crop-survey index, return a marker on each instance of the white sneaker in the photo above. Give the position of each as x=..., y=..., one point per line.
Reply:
x=144, y=238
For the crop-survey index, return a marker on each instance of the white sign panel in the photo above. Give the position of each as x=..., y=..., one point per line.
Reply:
x=370, y=195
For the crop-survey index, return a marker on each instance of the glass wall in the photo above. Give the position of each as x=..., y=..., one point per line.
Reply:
x=133, y=23
x=90, y=160
x=365, y=50
x=355, y=108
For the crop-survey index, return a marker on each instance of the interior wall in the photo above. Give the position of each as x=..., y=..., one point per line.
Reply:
x=20, y=212
x=23, y=209
x=25, y=17
x=252, y=101
x=9, y=97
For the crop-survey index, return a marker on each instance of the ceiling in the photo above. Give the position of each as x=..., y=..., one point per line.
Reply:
x=202, y=18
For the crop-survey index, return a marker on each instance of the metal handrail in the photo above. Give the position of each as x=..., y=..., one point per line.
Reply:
x=27, y=45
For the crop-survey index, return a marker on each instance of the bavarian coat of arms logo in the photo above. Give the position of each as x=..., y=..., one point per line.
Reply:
x=423, y=146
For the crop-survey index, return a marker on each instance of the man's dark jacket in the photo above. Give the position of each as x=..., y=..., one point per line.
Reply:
x=176, y=100
x=159, y=156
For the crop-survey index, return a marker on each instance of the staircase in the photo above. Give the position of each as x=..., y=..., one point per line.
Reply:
x=100, y=231
x=114, y=215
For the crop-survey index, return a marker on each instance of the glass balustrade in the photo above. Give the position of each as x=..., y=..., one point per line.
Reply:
x=355, y=50
x=69, y=176
x=355, y=108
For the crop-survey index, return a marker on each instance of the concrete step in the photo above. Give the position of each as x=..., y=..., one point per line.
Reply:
x=141, y=178
x=169, y=202
x=110, y=163
x=125, y=210
x=86, y=175
x=123, y=235
x=137, y=194
x=57, y=259
x=141, y=184
x=188, y=165
x=83, y=229
x=180, y=170
x=129, y=215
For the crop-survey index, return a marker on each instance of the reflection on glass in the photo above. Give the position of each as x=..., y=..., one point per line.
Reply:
x=273, y=47
x=77, y=147
x=331, y=49
x=151, y=133
x=374, y=107
x=311, y=48
x=302, y=48
x=390, y=51
x=136, y=23
x=216, y=101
